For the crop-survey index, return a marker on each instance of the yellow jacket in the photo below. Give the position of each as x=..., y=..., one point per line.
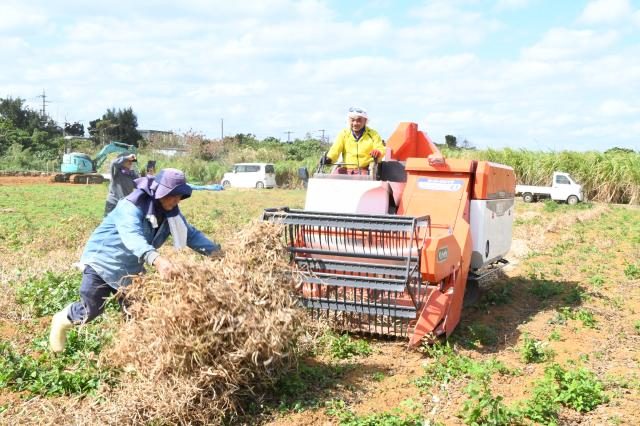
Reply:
x=356, y=153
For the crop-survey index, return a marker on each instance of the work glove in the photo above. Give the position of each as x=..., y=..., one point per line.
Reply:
x=375, y=154
x=325, y=160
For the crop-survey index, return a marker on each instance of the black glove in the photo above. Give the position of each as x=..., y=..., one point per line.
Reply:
x=325, y=160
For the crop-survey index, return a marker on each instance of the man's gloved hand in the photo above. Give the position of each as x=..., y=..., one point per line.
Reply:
x=325, y=160
x=375, y=154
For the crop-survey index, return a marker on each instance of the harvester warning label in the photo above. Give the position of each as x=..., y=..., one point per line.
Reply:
x=451, y=185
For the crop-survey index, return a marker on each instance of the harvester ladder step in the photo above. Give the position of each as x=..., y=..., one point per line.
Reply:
x=314, y=264
x=361, y=308
x=354, y=281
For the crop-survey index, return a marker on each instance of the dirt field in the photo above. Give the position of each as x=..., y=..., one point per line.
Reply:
x=578, y=261
x=24, y=180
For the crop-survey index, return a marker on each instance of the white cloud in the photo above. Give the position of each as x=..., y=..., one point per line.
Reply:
x=618, y=108
x=21, y=18
x=299, y=65
x=511, y=4
x=605, y=11
x=564, y=43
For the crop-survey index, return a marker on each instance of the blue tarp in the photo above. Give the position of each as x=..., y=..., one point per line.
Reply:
x=213, y=187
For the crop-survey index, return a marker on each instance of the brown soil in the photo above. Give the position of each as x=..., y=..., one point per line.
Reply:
x=25, y=180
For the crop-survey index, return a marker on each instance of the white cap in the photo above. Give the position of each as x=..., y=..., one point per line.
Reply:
x=357, y=112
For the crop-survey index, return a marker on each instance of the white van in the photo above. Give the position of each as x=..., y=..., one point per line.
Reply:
x=250, y=175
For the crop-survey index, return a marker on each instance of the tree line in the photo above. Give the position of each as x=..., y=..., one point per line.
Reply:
x=24, y=129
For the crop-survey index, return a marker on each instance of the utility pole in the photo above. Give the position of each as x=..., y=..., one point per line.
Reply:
x=221, y=128
x=288, y=132
x=322, y=137
x=43, y=112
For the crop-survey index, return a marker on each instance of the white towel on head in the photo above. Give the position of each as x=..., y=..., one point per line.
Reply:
x=179, y=231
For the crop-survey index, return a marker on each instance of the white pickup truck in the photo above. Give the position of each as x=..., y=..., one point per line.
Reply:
x=563, y=189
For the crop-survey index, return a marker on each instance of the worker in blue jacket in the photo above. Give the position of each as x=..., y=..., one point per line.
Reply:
x=122, y=183
x=126, y=239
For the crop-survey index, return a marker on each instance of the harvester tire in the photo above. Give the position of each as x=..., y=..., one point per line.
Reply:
x=259, y=185
x=572, y=200
x=527, y=198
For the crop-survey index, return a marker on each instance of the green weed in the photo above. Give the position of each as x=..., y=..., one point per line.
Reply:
x=577, y=389
x=300, y=388
x=477, y=335
x=344, y=346
x=498, y=295
x=486, y=409
x=575, y=296
x=378, y=376
x=583, y=315
x=632, y=271
x=39, y=372
x=550, y=206
x=544, y=290
x=636, y=325
x=447, y=365
x=596, y=280
x=48, y=294
x=534, y=351
x=395, y=417
x=555, y=336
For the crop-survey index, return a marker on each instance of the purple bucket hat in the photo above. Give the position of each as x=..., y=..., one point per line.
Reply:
x=171, y=182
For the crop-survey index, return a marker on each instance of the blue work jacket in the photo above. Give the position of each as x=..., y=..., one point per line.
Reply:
x=118, y=248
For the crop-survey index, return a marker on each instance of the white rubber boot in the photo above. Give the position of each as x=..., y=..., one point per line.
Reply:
x=60, y=325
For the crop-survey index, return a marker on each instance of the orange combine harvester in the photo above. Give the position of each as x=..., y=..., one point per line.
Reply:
x=393, y=252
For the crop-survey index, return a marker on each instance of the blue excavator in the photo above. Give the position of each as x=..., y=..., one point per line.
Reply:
x=78, y=167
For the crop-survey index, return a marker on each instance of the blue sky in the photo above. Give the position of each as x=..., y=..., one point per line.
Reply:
x=531, y=74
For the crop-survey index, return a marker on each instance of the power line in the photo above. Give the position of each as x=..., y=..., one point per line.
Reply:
x=288, y=132
x=43, y=111
x=322, y=137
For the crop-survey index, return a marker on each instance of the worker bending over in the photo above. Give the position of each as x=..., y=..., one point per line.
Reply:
x=358, y=144
x=127, y=239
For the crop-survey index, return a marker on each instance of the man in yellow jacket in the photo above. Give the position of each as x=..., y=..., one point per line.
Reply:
x=358, y=144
